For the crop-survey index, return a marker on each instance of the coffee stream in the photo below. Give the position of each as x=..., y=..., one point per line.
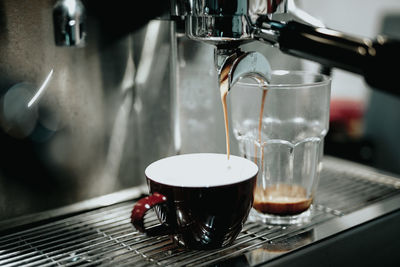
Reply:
x=224, y=89
x=264, y=94
x=224, y=93
x=279, y=199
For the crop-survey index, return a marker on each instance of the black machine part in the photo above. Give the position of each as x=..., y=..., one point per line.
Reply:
x=376, y=60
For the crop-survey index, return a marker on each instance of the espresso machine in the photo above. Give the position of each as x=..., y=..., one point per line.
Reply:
x=94, y=91
x=279, y=23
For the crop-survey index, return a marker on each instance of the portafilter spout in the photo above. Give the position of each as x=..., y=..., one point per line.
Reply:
x=234, y=64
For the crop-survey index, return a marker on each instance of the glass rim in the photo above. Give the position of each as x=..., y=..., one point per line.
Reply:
x=325, y=80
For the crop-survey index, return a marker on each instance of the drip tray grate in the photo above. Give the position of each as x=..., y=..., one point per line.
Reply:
x=105, y=236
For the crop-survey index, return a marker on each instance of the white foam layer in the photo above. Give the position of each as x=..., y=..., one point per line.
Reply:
x=201, y=170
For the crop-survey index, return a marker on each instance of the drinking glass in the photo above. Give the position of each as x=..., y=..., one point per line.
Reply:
x=281, y=127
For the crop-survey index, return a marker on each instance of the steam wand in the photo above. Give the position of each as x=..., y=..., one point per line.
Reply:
x=375, y=59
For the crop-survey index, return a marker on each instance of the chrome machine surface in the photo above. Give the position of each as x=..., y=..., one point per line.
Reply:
x=82, y=119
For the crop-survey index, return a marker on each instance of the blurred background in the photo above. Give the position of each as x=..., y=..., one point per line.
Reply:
x=364, y=122
x=80, y=122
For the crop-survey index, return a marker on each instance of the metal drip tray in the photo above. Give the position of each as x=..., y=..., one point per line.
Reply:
x=98, y=232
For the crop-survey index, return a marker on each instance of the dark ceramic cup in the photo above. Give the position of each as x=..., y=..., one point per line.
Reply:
x=202, y=200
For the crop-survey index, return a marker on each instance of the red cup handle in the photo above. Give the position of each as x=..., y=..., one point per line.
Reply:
x=140, y=209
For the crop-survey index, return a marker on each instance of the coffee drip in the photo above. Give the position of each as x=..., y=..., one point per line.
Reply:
x=233, y=65
x=264, y=94
x=224, y=89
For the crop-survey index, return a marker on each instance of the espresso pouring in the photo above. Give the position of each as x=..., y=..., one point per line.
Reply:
x=278, y=199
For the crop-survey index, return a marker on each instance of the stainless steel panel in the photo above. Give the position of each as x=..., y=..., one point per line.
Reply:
x=103, y=115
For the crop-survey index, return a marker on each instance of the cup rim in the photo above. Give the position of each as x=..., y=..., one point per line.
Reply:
x=325, y=80
x=251, y=171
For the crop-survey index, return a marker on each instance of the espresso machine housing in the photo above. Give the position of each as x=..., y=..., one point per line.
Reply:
x=90, y=99
x=229, y=24
x=92, y=91
x=77, y=120
x=82, y=113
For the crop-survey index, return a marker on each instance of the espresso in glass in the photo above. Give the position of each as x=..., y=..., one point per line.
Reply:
x=283, y=131
x=202, y=200
x=281, y=199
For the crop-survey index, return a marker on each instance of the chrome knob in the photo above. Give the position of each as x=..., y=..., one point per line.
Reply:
x=69, y=23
